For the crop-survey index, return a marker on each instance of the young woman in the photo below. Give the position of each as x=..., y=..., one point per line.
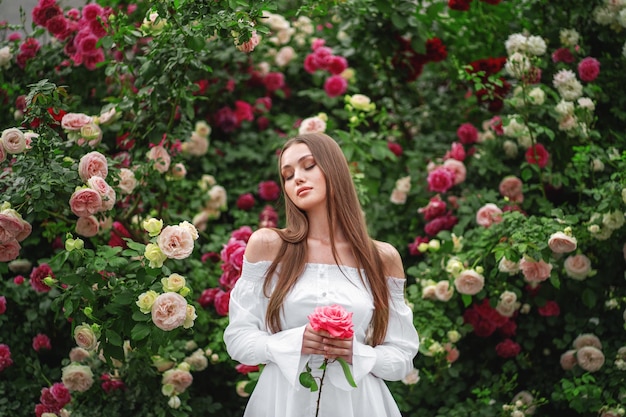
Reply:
x=324, y=256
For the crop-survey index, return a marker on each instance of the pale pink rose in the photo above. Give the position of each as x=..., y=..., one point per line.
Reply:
x=77, y=377
x=443, y=290
x=85, y=202
x=429, y=292
x=87, y=226
x=577, y=267
x=508, y=266
x=9, y=250
x=106, y=192
x=74, y=121
x=568, y=360
x=334, y=319
x=78, y=354
x=250, y=44
x=3, y=153
x=13, y=140
x=197, y=145
x=93, y=164
x=458, y=168
x=511, y=187
x=11, y=225
x=398, y=197
x=559, y=242
x=534, y=271
x=284, y=56
x=161, y=158
x=507, y=304
x=178, y=378
x=169, y=311
x=488, y=215
x=85, y=337
x=587, y=339
x=127, y=181
x=312, y=125
x=452, y=353
x=590, y=358
x=175, y=242
x=469, y=282
x=179, y=171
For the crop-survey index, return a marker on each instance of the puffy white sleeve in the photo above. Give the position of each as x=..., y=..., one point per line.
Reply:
x=247, y=339
x=393, y=359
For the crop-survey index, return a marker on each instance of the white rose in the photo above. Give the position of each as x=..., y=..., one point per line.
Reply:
x=5, y=56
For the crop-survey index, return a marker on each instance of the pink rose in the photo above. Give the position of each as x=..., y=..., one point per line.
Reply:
x=176, y=242
x=232, y=253
x=590, y=358
x=488, y=215
x=243, y=233
x=11, y=225
x=333, y=319
x=169, y=311
x=87, y=226
x=559, y=242
x=269, y=190
x=577, y=267
x=161, y=158
x=85, y=202
x=41, y=341
x=588, y=69
x=9, y=250
x=245, y=202
x=229, y=277
x=568, y=360
x=467, y=134
x=37, y=276
x=511, y=187
x=441, y=179
x=3, y=153
x=221, y=301
x=335, y=85
x=534, y=271
x=443, y=290
x=78, y=354
x=469, y=282
x=93, y=164
x=60, y=394
x=246, y=369
x=106, y=192
x=5, y=357
x=178, y=378
x=74, y=121
x=77, y=377
x=452, y=353
x=458, y=168
x=3, y=304
x=127, y=180
x=274, y=81
x=457, y=151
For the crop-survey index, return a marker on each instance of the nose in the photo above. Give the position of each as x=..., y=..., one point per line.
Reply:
x=298, y=177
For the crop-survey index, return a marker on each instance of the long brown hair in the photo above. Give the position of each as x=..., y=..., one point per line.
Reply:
x=345, y=214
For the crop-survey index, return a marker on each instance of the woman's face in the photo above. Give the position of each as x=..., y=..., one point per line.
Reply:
x=305, y=183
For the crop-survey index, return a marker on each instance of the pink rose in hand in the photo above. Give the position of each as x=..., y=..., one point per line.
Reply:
x=334, y=319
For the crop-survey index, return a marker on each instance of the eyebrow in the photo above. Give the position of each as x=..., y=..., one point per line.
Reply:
x=299, y=160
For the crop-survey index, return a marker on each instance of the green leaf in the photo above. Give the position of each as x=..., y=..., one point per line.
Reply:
x=140, y=331
x=346, y=371
x=467, y=300
x=113, y=337
x=307, y=381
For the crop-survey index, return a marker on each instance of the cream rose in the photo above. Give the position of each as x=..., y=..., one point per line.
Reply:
x=13, y=140
x=146, y=300
x=312, y=125
x=190, y=228
x=127, y=181
x=173, y=283
x=153, y=226
x=5, y=57
x=443, y=290
x=587, y=339
x=577, y=267
x=154, y=254
x=217, y=197
x=93, y=164
x=560, y=242
x=590, y=358
x=507, y=304
x=169, y=311
x=176, y=242
x=190, y=317
x=3, y=152
x=508, y=267
x=90, y=134
x=78, y=354
x=197, y=145
x=178, y=379
x=197, y=360
x=77, y=377
x=469, y=282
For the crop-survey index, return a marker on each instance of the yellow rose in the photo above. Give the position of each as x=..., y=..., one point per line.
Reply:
x=153, y=226
x=173, y=283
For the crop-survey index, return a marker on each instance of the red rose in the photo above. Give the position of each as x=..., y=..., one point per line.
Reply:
x=221, y=302
x=245, y=202
x=335, y=85
x=269, y=190
x=550, y=309
x=537, y=155
x=508, y=349
x=246, y=369
x=334, y=319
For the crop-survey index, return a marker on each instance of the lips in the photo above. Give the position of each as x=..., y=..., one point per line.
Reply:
x=302, y=190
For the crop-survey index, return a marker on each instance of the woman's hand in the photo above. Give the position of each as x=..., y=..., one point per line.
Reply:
x=322, y=343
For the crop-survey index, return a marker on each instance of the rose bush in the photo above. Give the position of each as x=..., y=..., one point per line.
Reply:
x=138, y=154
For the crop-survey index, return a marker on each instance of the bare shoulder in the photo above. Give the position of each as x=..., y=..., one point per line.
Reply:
x=263, y=245
x=391, y=259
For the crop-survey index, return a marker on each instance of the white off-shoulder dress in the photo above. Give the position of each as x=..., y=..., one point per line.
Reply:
x=278, y=392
